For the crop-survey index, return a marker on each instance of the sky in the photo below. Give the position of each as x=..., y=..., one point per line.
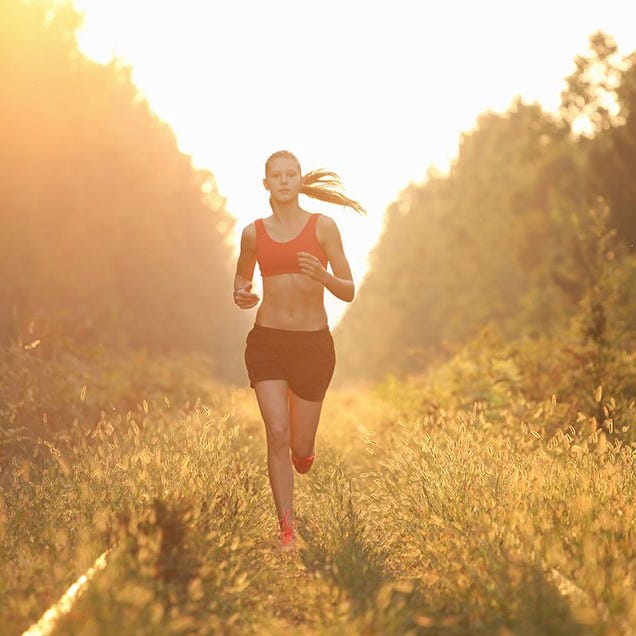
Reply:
x=377, y=91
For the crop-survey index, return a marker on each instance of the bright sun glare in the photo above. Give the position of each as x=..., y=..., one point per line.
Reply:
x=376, y=92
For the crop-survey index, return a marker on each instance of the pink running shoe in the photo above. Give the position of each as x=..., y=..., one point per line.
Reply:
x=287, y=531
x=302, y=464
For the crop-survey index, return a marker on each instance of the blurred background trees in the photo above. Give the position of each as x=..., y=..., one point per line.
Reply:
x=502, y=240
x=108, y=234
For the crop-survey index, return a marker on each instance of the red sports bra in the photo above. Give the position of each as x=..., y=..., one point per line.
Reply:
x=281, y=257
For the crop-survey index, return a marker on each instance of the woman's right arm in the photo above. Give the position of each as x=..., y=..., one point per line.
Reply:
x=245, y=265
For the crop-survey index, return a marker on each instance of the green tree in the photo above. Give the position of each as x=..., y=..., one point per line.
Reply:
x=462, y=250
x=498, y=240
x=600, y=100
x=108, y=232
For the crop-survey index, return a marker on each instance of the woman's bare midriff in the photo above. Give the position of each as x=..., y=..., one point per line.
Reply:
x=292, y=301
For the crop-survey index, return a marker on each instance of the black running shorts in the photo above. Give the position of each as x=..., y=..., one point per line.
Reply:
x=306, y=359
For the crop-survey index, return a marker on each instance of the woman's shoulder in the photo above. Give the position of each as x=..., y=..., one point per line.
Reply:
x=326, y=230
x=325, y=224
x=248, y=235
x=325, y=221
x=251, y=227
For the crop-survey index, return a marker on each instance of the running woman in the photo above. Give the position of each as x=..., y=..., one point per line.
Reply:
x=289, y=352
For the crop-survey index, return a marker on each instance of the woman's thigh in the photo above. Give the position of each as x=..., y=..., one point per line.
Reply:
x=273, y=402
x=304, y=418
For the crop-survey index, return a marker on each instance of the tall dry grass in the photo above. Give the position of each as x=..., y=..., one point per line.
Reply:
x=415, y=519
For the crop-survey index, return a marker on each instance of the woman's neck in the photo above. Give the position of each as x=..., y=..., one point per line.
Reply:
x=287, y=212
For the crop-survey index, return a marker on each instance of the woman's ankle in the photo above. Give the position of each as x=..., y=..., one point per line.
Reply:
x=287, y=521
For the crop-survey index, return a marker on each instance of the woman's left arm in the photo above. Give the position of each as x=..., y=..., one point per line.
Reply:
x=340, y=283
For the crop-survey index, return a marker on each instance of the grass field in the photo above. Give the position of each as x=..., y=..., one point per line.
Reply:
x=412, y=521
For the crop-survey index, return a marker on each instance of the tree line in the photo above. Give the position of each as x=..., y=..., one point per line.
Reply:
x=108, y=233
x=110, y=236
x=505, y=238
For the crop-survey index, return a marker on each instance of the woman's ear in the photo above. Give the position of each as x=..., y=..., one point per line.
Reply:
x=265, y=184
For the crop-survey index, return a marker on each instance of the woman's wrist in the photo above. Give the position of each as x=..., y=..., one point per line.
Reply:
x=326, y=277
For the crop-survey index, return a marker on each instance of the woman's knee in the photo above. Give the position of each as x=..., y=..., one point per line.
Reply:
x=278, y=438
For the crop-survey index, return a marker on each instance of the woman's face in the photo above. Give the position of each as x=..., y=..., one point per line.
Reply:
x=283, y=179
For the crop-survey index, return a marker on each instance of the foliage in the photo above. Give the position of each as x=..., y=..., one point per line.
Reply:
x=109, y=235
x=471, y=248
x=52, y=401
x=600, y=102
x=445, y=522
x=583, y=378
x=501, y=239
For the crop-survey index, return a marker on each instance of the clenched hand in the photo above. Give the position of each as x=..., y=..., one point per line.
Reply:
x=244, y=298
x=311, y=266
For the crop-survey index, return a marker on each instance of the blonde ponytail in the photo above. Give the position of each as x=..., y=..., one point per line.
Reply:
x=327, y=186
